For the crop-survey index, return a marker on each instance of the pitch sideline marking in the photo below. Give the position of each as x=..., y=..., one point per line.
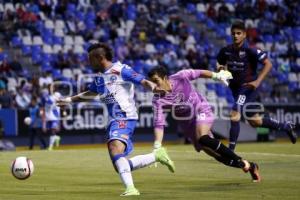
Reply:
x=250, y=153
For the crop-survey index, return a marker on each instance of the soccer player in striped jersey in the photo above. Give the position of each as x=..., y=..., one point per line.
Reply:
x=51, y=116
x=113, y=84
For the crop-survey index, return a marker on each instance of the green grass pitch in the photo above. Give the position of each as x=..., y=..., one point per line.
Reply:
x=87, y=174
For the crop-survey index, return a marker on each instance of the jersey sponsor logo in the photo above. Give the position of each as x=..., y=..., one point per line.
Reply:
x=124, y=136
x=240, y=64
x=109, y=98
x=113, y=78
x=122, y=124
x=114, y=133
x=242, y=54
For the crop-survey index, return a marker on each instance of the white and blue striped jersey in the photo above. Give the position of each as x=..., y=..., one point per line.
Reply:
x=52, y=111
x=117, y=91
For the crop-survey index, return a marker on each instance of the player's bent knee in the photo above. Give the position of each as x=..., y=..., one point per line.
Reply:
x=207, y=141
x=254, y=123
x=235, y=116
x=115, y=147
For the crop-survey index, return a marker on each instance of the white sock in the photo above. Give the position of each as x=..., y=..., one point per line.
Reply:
x=142, y=161
x=52, y=140
x=123, y=167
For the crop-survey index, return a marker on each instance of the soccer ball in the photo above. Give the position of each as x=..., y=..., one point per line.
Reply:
x=27, y=121
x=22, y=168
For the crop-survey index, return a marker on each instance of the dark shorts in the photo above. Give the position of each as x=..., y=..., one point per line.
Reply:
x=245, y=102
x=188, y=128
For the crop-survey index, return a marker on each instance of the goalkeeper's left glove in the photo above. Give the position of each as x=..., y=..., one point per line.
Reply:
x=222, y=76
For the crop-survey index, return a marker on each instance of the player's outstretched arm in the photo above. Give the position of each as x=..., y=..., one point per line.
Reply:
x=222, y=76
x=81, y=97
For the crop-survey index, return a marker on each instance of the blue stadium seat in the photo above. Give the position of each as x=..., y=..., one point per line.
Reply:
x=201, y=17
x=87, y=70
x=3, y=56
x=56, y=74
x=26, y=49
x=210, y=23
x=220, y=32
x=46, y=32
x=90, y=25
x=293, y=86
x=48, y=40
x=230, y=1
x=36, y=49
x=36, y=58
x=210, y=86
x=282, y=77
x=131, y=15
x=221, y=90
x=46, y=66
x=279, y=37
x=90, y=16
x=71, y=7
x=16, y=41
x=268, y=38
x=228, y=39
x=57, y=40
x=191, y=8
x=79, y=15
x=47, y=57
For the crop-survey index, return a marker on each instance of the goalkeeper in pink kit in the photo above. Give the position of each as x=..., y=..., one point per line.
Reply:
x=193, y=113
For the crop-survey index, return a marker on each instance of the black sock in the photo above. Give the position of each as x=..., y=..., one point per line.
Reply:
x=229, y=162
x=234, y=134
x=268, y=122
x=221, y=149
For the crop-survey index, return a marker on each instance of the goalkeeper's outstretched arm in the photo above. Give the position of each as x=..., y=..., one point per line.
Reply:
x=222, y=75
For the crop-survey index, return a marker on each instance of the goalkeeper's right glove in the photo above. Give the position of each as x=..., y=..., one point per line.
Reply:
x=222, y=76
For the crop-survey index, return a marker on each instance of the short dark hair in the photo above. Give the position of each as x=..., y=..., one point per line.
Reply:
x=105, y=50
x=160, y=71
x=238, y=24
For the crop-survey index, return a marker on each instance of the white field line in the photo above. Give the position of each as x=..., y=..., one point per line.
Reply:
x=178, y=151
x=248, y=153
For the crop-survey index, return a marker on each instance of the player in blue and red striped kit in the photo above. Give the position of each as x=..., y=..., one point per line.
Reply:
x=113, y=84
x=242, y=61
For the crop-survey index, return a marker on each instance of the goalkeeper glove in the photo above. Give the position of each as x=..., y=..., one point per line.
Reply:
x=222, y=76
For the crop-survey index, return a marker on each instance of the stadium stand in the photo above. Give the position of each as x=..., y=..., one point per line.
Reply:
x=49, y=38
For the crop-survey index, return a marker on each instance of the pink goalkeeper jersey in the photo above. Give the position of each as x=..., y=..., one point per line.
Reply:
x=184, y=102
